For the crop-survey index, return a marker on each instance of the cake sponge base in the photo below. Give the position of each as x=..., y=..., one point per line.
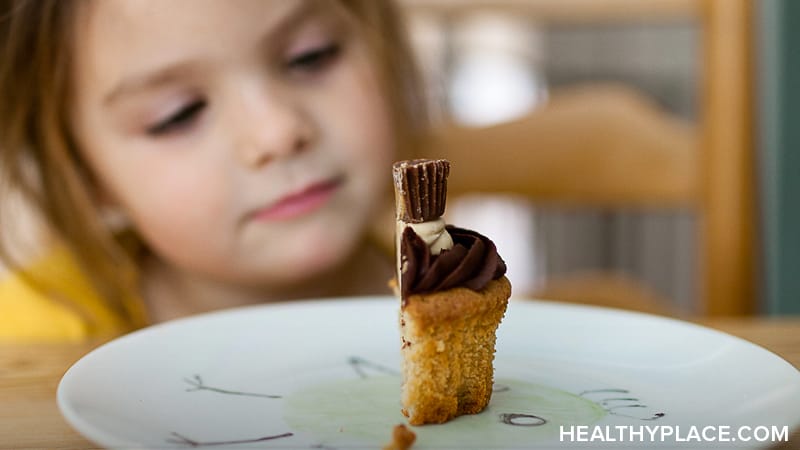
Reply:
x=448, y=344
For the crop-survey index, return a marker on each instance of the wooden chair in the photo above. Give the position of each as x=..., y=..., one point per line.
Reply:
x=599, y=146
x=609, y=146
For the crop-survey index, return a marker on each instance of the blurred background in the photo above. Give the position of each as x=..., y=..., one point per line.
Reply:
x=697, y=87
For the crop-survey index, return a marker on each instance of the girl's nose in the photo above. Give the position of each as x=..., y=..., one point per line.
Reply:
x=272, y=126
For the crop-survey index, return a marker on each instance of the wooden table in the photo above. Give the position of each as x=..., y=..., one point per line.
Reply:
x=29, y=375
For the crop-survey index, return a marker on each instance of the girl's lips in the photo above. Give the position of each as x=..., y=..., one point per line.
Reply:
x=298, y=204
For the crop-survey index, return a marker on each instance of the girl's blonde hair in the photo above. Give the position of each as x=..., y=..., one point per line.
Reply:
x=38, y=155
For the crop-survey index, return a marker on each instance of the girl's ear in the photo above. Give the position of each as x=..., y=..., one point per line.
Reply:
x=115, y=218
x=110, y=211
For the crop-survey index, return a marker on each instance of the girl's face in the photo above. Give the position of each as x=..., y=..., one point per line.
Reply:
x=247, y=140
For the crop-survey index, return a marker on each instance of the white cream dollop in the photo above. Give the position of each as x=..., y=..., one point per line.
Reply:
x=431, y=232
x=434, y=234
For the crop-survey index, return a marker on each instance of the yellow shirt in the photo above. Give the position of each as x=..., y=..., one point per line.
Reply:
x=28, y=315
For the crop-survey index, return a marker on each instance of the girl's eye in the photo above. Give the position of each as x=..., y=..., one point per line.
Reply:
x=181, y=119
x=314, y=60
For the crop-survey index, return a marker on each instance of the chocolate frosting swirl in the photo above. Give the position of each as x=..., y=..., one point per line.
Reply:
x=472, y=263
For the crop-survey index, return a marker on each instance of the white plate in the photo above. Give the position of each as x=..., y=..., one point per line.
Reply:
x=323, y=374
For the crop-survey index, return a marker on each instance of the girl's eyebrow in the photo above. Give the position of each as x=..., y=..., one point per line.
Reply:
x=160, y=77
x=149, y=81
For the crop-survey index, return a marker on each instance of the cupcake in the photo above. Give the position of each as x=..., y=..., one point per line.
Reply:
x=454, y=294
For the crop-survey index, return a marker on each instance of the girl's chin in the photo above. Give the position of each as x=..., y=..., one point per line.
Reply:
x=304, y=253
x=308, y=263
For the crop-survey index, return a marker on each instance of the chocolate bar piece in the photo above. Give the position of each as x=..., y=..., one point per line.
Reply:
x=420, y=187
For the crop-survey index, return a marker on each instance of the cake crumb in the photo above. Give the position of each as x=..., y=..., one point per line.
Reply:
x=402, y=438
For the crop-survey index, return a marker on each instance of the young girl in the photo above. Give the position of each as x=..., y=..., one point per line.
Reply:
x=245, y=145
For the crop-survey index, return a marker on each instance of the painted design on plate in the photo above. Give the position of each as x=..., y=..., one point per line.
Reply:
x=362, y=367
x=361, y=411
x=610, y=400
x=183, y=440
x=197, y=385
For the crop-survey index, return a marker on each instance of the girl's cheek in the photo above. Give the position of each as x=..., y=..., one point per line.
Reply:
x=176, y=202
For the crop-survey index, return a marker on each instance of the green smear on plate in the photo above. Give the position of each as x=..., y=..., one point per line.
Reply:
x=363, y=411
